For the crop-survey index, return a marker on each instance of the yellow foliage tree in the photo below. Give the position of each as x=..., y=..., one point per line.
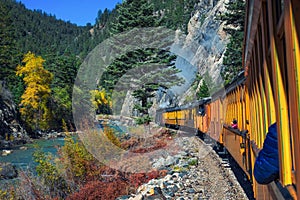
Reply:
x=37, y=80
x=100, y=100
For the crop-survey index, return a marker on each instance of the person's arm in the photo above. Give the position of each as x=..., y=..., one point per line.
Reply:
x=266, y=166
x=255, y=148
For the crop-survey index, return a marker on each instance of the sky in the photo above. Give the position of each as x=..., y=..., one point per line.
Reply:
x=79, y=12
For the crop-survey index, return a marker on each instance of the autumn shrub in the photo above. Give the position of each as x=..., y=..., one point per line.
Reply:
x=7, y=194
x=148, y=148
x=110, y=134
x=50, y=176
x=137, y=179
x=76, y=174
x=76, y=161
x=33, y=187
x=128, y=144
x=114, y=184
x=152, y=143
x=164, y=133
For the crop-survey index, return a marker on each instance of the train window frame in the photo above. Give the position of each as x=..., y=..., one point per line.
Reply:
x=190, y=113
x=278, y=8
x=201, y=110
x=266, y=26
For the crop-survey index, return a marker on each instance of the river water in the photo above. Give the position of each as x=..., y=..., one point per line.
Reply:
x=23, y=158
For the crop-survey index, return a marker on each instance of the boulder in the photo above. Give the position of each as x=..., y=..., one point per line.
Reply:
x=8, y=171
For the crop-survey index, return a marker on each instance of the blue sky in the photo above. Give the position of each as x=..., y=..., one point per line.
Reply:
x=79, y=12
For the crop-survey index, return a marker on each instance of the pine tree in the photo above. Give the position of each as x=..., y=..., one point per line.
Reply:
x=34, y=108
x=203, y=90
x=8, y=50
x=61, y=106
x=154, y=68
x=235, y=17
x=150, y=70
x=64, y=68
x=134, y=14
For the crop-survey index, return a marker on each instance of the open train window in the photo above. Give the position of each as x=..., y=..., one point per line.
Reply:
x=279, y=7
x=201, y=110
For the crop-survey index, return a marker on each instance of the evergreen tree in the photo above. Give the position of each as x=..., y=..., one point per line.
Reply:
x=8, y=52
x=139, y=14
x=61, y=106
x=235, y=17
x=134, y=14
x=203, y=90
x=64, y=68
x=174, y=14
x=150, y=70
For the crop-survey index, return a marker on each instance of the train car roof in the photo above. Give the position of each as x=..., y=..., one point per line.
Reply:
x=237, y=81
x=251, y=21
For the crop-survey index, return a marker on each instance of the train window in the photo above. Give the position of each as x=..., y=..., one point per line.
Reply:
x=283, y=64
x=284, y=68
x=270, y=71
x=201, y=110
x=266, y=26
x=296, y=13
x=279, y=6
x=260, y=48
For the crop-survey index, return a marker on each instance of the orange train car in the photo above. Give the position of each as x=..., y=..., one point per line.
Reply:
x=194, y=116
x=267, y=91
x=271, y=59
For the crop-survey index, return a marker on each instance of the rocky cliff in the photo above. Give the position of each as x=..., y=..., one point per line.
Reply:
x=11, y=132
x=200, y=50
x=205, y=43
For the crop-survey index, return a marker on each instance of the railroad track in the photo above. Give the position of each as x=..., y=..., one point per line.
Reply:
x=228, y=162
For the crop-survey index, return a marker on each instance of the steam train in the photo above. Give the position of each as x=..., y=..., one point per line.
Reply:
x=267, y=91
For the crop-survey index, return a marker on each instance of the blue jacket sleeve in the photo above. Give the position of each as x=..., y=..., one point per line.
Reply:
x=266, y=167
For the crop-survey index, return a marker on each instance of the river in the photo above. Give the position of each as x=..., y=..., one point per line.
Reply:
x=22, y=158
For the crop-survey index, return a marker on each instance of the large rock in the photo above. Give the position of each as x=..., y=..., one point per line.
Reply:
x=10, y=128
x=7, y=171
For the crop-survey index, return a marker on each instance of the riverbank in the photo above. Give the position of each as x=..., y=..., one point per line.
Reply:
x=172, y=164
x=17, y=154
x=21, y=159
x=194, y=173
x=13, y=143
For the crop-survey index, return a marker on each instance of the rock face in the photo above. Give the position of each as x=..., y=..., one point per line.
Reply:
x=204, y=45
x=201, y=50
x=11, y=132
x=206, y=40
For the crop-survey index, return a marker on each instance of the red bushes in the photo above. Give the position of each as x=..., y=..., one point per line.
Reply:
x=148, y=148
x=114, y=184
x=143, y=145
x=101, y=190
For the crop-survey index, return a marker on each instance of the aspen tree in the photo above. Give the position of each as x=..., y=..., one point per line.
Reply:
x=37, y=81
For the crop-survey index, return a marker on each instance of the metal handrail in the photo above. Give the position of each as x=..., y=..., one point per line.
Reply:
x=242, y=133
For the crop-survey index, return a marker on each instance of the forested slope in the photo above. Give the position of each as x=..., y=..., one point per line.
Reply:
x=63, y=46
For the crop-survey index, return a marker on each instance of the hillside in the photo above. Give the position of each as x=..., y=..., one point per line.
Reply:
x=55, y=77
x=63, y=46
